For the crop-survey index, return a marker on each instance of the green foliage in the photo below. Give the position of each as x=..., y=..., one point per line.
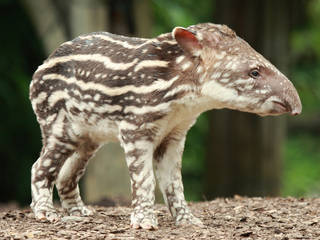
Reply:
x=302, y=171
x=306, y=78
x=302, y=159
x=20, y=136
x=168, y=14
x=305, y=43
x=194, y=159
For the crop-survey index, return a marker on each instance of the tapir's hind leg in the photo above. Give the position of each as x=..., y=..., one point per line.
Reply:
x=44, y=173
x=69, y=176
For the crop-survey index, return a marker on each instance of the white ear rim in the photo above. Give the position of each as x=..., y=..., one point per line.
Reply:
x=173, y=32
x=197, y=35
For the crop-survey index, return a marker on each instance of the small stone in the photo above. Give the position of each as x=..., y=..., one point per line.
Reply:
x=72, y=219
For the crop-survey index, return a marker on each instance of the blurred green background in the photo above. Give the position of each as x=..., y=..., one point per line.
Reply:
x=23, y=49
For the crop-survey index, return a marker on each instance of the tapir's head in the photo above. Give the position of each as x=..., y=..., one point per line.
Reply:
x=233, y=75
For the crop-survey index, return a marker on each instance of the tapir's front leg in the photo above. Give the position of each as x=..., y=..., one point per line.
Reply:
x=167, y=160
x=139, y=153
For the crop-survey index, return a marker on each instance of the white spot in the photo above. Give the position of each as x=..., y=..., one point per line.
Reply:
x=46, y=163
x=199, y=69
x=88, y=73
x=97, y=97
x=217, y=64
x=51, y=118
x=115, y=77
x=97, y=75
x=180, y=59
x=199, y=36
x=262, y=91
x=186, y=65
x=76, y=92
x=220, y=55
x=40, y=184
x=216, y=75
x=224, y=80
x=242, y=81
x=226, y=74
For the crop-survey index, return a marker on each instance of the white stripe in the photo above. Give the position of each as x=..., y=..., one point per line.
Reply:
x=56, y=96
x=150, y=63
x=180, y=59
x=57, y=127
x=122, y=43
x=178, y=89
x=159, y=84
x=39, y=99
x=88, y=57
x=147, y=109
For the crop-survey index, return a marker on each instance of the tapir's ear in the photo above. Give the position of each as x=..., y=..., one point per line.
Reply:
x=187, y=40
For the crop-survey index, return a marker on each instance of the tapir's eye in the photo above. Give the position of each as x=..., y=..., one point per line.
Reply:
x=254, y=73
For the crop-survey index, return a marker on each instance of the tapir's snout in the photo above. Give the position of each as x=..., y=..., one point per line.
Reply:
x=282, y=96
x=292, y=99
x=297, y=110
x=288, y=100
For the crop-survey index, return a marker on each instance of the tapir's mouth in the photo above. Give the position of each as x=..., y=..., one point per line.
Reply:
x=284, y=107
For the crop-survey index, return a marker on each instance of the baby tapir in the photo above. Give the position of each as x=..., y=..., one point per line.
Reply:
x=145, y=94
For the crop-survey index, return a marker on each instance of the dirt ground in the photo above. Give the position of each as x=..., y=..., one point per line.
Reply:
x=236, y=218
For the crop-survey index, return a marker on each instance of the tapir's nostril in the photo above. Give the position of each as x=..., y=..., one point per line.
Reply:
x=295, y=112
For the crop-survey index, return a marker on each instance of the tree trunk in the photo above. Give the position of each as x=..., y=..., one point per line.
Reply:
x=46, y=22
x=245, y=151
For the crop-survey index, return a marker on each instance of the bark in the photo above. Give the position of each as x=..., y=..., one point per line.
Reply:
x=46, y=21
x=245, y=151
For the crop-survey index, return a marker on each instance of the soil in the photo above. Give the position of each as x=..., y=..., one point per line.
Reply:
x=236, y=218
